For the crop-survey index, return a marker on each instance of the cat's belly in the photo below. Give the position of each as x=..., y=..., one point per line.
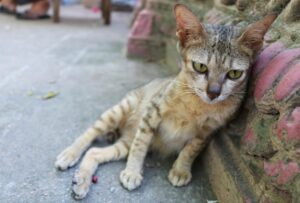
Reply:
x=172, y=136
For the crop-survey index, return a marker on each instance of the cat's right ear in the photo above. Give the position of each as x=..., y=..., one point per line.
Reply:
x=253, y=36
x=189, y=28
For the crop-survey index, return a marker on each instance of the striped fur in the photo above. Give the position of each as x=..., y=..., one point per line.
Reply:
x=167, y=115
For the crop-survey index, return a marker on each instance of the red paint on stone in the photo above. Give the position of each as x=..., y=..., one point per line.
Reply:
x=266, y=56
x=137, y=48
x=142, y=26
x=290, y=125
x=284, y=172
x=289, y=82
x=247, y=199
x=287, y=172
x=272, y=169
x=140, y=34
x=274, y=68
x=249, y=137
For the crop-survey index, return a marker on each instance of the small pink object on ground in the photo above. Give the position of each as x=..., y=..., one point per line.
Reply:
x=95, y=10
x=95, y=179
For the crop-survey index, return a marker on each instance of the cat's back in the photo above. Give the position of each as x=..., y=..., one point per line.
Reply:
x=155, y=87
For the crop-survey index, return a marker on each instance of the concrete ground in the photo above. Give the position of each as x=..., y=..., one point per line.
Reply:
x=84, y=63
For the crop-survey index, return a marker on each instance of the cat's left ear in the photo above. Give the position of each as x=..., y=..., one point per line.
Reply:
x=189, y=28
x=253, y=36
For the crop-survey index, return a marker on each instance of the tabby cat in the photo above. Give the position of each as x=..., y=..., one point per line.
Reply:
x=174, y=115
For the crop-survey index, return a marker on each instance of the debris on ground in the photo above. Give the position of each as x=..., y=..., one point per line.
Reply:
x=212, y=201
x=152, y=165
x=94, y=179
x=112, y=189
x=30, y=93
x=50, y=95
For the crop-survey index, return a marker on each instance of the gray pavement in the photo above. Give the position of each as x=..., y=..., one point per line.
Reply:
x=84, y=62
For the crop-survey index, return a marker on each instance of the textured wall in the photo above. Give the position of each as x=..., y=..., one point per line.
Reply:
x=268, y=139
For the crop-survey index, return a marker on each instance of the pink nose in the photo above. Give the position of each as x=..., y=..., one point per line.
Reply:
x=213, y=91
x=213, y=95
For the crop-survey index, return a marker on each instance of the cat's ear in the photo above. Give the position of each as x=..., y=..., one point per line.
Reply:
x=188, y=25
x=253, y=36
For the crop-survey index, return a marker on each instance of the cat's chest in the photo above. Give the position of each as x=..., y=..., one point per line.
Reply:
x=173, y=133
x=177, y=128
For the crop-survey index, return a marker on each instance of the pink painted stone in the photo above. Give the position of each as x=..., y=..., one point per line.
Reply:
x=247, y=199
x=289, y=82
x=290, y=125
x=274, y=68
x=266, y=56
x=95, y=9
x=287, y=172
x=140, y=33
x=249, y=137
x=272, y=169
x=137, y=48
x=142, y=26
x=284, y=172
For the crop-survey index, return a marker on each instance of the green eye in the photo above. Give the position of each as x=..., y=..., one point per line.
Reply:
x=200, y=68
x=234, y=74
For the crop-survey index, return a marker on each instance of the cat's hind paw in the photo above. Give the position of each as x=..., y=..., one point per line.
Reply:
x=179, y=177
x=67, y=159
x=130, y=179
x=81, y=184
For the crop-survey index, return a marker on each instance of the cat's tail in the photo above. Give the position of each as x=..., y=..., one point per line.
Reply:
x=109, y=121
x=115, y=117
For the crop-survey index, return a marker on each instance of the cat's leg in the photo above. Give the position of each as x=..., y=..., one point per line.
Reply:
x=131, y=176
x=95, y=156
x=109, y=121
x=180, y=174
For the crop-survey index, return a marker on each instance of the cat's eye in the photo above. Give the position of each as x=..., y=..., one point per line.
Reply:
x=200, y=67
x=234, y=74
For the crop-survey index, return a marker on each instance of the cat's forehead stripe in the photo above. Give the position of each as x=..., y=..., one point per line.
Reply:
x=219, y=44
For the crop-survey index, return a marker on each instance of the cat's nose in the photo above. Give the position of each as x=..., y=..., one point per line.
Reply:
x=213, y=91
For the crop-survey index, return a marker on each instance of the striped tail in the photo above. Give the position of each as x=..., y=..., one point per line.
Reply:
x=110, y=121
x=115, y=117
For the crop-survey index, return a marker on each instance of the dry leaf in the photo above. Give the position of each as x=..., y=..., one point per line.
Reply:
x=50, y=95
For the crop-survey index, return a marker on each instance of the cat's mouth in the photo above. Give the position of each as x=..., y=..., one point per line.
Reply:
x=205, y=98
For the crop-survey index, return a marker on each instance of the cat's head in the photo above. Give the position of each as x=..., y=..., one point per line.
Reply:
x=217, y=58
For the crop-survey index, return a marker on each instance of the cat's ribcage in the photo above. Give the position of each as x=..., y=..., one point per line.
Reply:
x=171, y=136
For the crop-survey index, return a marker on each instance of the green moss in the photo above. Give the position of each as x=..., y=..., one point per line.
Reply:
x=262, y=127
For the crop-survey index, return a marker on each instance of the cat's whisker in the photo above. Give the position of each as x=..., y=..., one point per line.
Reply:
x=186, y=93
x=183, y=85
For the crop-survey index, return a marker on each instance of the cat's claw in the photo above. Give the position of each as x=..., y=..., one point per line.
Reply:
x=179, y=177
x=66, y=159
x=130, y=179
x=81, y=184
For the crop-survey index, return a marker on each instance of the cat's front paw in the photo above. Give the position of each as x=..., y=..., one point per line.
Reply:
x=179, y=177
x=130, y=179
x=67, y=158
x=81, y=184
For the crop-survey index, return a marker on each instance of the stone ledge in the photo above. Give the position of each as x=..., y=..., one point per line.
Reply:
x=231, y=178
